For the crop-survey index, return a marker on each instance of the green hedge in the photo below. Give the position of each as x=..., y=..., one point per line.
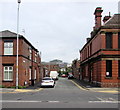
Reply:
x=1, y=86
x=19, y=87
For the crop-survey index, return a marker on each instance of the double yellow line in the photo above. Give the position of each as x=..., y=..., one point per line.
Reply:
x=103, y=91
x=78, y=85
x=24, y=90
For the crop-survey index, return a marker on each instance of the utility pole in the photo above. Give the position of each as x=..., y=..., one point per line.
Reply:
x=17, y=62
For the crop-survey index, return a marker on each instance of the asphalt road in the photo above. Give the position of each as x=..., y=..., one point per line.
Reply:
x=65, y=94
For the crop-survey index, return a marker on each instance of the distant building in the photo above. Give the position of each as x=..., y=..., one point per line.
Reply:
x=56, y=61
x=54, y=65
x=76, y=68
x=100, y=56
x=49, y=66
x=69, y=65
x=29, y=60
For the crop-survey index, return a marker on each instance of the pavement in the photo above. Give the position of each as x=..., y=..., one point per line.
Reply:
x=91, y=87
x=80, y=84
x=34, y=88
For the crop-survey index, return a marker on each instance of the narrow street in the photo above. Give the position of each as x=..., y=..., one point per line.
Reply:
x=65, y=94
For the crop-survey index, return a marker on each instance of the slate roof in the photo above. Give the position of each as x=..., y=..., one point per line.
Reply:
x=113, y=22
x=8, y=33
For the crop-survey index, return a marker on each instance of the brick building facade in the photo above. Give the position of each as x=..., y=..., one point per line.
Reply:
x=76, y=68
x=29, y=60
x=100, y=56
x=49, y=66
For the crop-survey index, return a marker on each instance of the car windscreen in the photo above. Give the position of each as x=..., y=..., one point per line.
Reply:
x=47, y=79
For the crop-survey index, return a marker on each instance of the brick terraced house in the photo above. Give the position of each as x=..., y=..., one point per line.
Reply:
x=29, y=60
x=100, y=56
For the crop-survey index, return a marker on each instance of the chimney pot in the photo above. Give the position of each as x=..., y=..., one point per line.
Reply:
x=88, y=39
x=98, y=16
x=106, y=18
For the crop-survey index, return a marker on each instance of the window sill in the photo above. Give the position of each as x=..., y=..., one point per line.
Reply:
x=7, y=80
x=7, y=55
x=108, y=78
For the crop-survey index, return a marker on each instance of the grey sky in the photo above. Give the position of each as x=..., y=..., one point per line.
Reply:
x=58, y=28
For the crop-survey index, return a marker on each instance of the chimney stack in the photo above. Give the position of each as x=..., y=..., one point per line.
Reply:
x=106, y=18
x=87, y=39
x=98, y=16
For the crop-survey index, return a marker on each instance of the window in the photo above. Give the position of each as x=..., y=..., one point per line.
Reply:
x=109, y=68
x=119, y=40
x=35, y=57
x=90, y=48
x=35, y=74
x=8, y=73
x=30, y=53
x=8, y=48
x=109, y=40
x=30, y=73
x=88, y=51
x=118, y=68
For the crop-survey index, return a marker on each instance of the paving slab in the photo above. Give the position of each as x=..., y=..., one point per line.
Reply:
x=91, y=87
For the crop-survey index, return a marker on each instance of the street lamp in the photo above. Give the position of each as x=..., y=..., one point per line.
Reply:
x=19, y=1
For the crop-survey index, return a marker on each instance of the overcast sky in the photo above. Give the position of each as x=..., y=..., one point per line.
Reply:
x=57, y=28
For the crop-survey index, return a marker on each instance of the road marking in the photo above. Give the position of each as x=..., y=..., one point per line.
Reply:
x=54, y=101
x=18, y=101
x=28, y=101
x=111, y=99
x=104, y=101
x=24, y=90
x=78, y=85
x=100, y=98
x=8, y=92
x=32, y=101
x=114, y=91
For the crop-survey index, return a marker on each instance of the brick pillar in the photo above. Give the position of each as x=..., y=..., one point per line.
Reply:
x=103, y=43
x=115, y=69
x=115, y=41
x=1, y=61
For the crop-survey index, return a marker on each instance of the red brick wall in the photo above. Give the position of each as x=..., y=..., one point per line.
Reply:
x=0, y=62
x=96, y=45
x=24, y=63
x=113, y=81
x=99, y=67
x=9, y=60
x=76, y=68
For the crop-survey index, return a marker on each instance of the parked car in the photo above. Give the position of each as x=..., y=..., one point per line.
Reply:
x=63, y=75
x=70, y=76
x=47, y=81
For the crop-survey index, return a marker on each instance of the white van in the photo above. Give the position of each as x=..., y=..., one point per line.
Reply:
x=54, y=75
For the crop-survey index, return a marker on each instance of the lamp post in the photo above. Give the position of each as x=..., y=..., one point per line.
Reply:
x=19, y=1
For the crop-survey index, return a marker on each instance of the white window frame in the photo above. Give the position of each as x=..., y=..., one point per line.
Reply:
x=8, y=48
x=35, y=57
x=8, y=70
x=35, y=74
x=30, y=73
x=30, y=53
